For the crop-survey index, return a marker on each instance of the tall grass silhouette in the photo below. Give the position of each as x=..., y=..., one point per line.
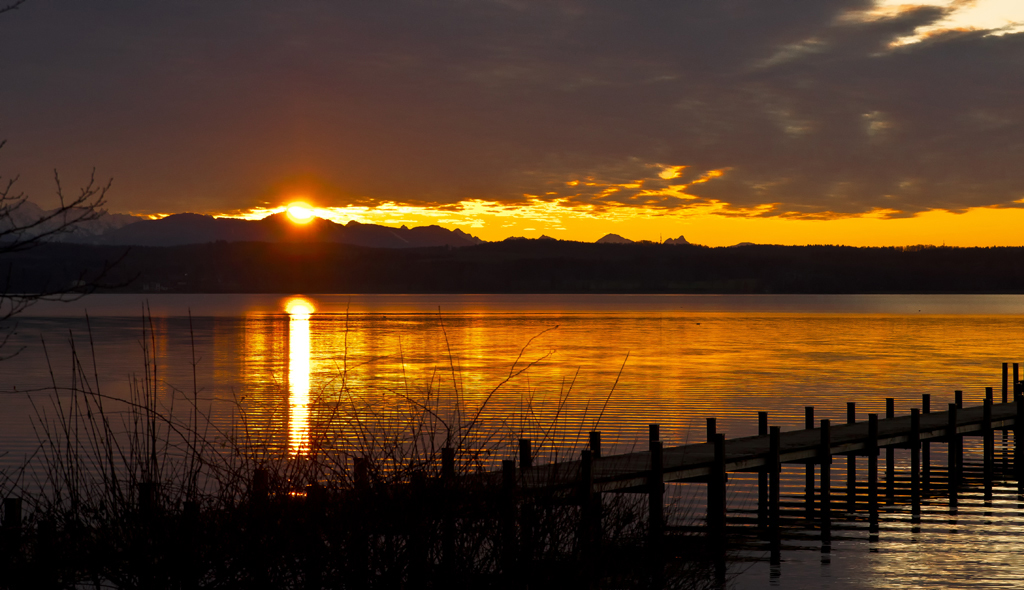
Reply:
x=396, y=487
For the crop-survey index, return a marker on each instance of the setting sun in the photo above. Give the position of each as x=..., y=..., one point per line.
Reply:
x=299, y=307
x=300, y=213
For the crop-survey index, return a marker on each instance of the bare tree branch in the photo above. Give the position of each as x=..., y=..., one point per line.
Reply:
x=12, y=6
x=21, y=230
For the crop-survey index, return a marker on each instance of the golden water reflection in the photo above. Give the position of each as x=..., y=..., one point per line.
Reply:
x=299, y=310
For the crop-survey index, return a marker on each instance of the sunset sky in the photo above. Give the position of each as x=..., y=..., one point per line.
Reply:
x=796, y=122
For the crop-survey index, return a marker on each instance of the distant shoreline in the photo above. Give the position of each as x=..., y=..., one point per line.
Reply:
x=519, y=266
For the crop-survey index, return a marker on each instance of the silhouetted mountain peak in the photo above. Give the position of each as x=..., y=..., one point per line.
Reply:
x=614, y=239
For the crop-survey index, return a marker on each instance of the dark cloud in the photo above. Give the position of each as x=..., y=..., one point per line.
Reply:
x=803, y=105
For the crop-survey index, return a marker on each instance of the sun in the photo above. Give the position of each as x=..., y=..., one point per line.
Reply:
x=299, y=308
x=300, y=213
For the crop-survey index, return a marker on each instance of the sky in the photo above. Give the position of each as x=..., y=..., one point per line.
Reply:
x=799, y=122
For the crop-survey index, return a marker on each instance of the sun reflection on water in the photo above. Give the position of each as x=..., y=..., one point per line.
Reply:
x=299, y=311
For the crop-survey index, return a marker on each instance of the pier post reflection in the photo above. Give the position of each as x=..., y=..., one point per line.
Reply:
x=299, y=311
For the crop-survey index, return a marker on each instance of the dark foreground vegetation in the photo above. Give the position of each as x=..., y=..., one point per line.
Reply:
x=390, y=489
x=522, y=266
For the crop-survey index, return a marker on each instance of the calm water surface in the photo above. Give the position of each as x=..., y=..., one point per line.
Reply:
x=550, y=368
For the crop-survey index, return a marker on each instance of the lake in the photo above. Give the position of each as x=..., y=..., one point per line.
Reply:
x=549, y=368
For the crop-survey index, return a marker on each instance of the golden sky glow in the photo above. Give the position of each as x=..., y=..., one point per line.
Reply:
x=1005, y=16
x=982, y=226
x=773, y=124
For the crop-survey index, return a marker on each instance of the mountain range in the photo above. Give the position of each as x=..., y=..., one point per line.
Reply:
x=115, y=229
x=192, y=228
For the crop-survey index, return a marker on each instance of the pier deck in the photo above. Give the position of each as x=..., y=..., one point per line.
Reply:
x=696, y=462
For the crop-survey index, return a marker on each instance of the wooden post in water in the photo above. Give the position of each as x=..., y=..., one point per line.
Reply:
x=890, y=456
x=712, y=429
x=447, y=514
x=595, y=452
x=655, y=489
x=590, y=525
x=656, y=508
x=358, y=534
x=958, y=397
x=926, y=450
x=656, y=495
x=953, y=468
x=872, y=450
x=851, y=465
x=447, y=463
x=825, y=454
x=716, y=490
x=1016, y=380
x=988, y=445
x=1018, y=447
x=1006, y=378
x=12, y=513
x=809, y=469
x=717, y=508
x=762, y=478
x=11, y=545
x=915, y=461
x=774, y=473
x=508, y=518
x=525, y=454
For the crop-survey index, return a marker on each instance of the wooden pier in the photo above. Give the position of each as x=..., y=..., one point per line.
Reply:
x=706, y=462
x=646, y=472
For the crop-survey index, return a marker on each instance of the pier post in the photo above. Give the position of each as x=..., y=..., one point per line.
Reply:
x=851, y=465
x=890, y=456
x=712, y=429
x=447, y=513
x=716, y=490
x=655, y=508
x=926, y=450
x=1016, y=380
x=12, y=513
x=717, y=517
x=774, y=476
x=656, y=494
x=447, y=463
x=809, y=469
x=915, y=461
x=1018, y=447
x=525, y=454
x=595, y=453
x=1006, y=378
x=590, y=524
x=953, y=467
x=958, y=397
x=359, y=533
x=11, y=543
x=508, y=517
x=825, y=454
x=989, y=444
x=872, y=450
x=762, y=478
x=259, y=493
